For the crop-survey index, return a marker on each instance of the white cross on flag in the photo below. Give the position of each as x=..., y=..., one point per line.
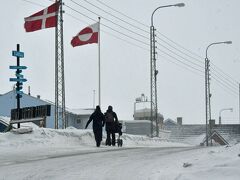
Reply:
x=88, y=35
x=45, y=18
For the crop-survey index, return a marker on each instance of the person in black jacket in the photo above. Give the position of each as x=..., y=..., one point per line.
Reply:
x=98, y=122
x=111, y=121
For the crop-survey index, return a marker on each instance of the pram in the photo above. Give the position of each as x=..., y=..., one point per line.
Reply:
x=118, y=129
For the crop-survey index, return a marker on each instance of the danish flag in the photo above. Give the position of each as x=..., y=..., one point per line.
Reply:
x=45, y=18
x=87, y=35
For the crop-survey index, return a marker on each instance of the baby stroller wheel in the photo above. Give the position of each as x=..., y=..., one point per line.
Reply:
x=119, y=142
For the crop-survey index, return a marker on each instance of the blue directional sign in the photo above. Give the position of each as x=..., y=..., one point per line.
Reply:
x=18, y=54
x=17, y=79
x=19, y=92
x=20, y=96
x=17, y=67
x=19, y=75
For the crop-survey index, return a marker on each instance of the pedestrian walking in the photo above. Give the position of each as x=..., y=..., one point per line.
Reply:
x=111, y=121
x=98, y=122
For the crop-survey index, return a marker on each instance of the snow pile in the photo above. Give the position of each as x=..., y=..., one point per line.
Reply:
x=44, y=148
x=220, y=163
x=42, y=137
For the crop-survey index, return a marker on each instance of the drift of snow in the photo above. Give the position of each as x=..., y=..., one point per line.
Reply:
x=221, y=162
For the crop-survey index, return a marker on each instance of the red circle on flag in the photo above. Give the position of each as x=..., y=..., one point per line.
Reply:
x=85, y=34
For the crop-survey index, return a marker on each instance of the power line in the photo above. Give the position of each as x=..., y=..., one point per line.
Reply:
x=37, y=4
x=144, y=36
x=117, y=37
x=225, y=88
x=180, y=61
x=197, y=59
x=230, y=86
x=144, y=43
x=123, y=14
x=195, y=64
x=133, y=32
x=180, y=64
x=115, y=16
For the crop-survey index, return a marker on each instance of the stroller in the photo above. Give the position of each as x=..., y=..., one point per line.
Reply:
x=118, y=129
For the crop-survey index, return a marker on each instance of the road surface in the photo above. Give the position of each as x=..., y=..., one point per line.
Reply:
x=101, y=164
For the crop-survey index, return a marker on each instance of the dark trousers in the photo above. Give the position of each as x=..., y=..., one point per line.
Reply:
x=98, y=136
x=110, y=141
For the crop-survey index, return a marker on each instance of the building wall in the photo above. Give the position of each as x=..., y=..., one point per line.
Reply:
x=8, y=101
x=137, y=127
x=79, y=121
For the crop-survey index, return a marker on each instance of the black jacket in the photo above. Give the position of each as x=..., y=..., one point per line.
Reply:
x=98, y=120
x=110, y=125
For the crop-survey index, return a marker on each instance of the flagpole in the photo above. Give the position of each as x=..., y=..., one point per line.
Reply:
x=99, y=65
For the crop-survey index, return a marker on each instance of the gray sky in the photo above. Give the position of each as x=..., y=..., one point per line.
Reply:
x=126, y=67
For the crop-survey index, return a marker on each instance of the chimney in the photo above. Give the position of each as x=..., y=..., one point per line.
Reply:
x=179, y=121
x=38, y=96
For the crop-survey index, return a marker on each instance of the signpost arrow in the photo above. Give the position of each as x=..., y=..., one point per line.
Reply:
x=17, y=67
x=19, y=75
x=18, y=54
x=19, y=92
x=18, y=79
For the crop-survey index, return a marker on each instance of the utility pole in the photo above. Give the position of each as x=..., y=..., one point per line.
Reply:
x=60, y=114
x=207, y=90
x=207, y=96
x=154, y=72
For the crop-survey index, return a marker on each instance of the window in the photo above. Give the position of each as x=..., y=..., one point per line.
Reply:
x=78, y=121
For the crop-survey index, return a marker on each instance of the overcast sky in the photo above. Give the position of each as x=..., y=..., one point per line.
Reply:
x=125, y=57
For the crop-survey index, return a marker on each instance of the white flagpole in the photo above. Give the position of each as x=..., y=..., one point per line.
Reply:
x=99, y=65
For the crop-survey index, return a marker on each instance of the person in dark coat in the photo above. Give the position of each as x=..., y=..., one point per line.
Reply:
x=98, y=122
x=111, y=120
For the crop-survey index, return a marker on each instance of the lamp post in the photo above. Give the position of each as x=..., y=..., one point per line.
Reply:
x=153, y=71
x=225, y=109
x=207, y=86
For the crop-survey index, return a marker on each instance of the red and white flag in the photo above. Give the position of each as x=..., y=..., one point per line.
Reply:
x=45, y=18
x=88, y=35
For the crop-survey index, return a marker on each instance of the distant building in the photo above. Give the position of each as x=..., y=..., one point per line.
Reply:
x=82, y=118
x=170, y=122
x=145, y=114
x=137, y=127
x=74, y=118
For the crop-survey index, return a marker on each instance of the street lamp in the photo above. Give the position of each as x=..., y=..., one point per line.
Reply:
x=207, y=86
x=225, y=109
x=153, y=71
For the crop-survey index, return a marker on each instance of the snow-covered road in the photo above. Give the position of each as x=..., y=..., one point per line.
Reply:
x=103, y=163
x=47, y=154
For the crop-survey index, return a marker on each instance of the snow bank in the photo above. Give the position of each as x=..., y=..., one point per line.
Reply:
x=42, y=137
x=220, y=163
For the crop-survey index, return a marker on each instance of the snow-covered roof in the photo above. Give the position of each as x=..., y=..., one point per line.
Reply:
x=170, y=121
x=80, y=111
x=136, y=121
